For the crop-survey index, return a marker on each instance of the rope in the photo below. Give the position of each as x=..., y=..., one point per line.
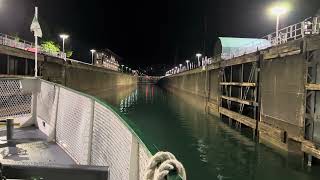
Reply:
x=160, y=166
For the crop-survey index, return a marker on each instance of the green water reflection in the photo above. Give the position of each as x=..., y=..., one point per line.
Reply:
x=208, y=147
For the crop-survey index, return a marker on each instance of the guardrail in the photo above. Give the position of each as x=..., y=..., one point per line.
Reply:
x=309, y=26
x=16, y=42
x=88, y=129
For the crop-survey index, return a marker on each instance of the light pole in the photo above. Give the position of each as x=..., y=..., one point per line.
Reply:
x=278, y=10
x=92, y=53
x=198, y=56
x=187, y=61
x=122, y=67
x=126, y=69
x=63, y=37
x=180, y=69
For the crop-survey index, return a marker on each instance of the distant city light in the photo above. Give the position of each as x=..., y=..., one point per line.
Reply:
x=92, y=51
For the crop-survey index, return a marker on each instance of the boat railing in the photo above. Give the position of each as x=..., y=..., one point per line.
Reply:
x=86, y=128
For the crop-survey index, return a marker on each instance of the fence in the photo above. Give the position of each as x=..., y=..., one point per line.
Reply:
x=89, y=130
x=25, y=45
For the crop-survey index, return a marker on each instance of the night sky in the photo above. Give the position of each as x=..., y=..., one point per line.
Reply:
x=146, y=32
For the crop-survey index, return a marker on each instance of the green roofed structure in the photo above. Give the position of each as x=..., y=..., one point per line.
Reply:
x=229, y=47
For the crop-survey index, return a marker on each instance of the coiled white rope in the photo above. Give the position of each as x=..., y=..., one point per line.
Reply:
x=160, y=166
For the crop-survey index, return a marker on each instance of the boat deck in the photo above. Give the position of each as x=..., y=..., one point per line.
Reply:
x=31, y=148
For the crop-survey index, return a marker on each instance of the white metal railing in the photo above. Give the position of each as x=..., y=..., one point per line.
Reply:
x=89, y=130
x=16, y=42
x=309, y=26
x=290, y=33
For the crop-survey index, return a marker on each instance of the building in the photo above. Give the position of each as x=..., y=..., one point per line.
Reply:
x=107, y=59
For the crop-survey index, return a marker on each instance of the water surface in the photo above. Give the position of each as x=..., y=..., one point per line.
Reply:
x=209, y=148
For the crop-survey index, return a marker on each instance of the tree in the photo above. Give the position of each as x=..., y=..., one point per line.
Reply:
x=50, y=46
x=69, y=53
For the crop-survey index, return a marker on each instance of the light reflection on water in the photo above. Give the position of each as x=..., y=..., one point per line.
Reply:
x=208, y=148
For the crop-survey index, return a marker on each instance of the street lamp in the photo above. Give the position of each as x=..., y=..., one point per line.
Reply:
x=187, y=61
x=63, y=37
x=180, y=69
x=92, y=53
x=198, y=56
x=278, y=10
x=122, y=67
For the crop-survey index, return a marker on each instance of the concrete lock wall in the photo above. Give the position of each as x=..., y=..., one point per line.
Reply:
x=96, y=81
x=282, y=95
x=203, y=83
x=193, y=83
x=79, y=76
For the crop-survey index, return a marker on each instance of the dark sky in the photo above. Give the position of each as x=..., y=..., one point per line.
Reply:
x=146, y=32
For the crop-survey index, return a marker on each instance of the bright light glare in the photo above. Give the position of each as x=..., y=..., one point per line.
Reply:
x=278, y=10
x=93, y=51
x=198, y=55
x=187, y=61
x=64, y=36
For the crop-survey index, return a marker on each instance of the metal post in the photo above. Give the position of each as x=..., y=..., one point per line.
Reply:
x=10, y=132
x=36, y=57
x=8, y=64
x=91, y=134
x=277, y=29
x=63, y=45
x=92, y=58
x=26, y=67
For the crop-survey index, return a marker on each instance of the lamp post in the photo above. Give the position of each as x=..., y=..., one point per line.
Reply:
x=126, y=69
x=187, y=61
x=122, y=68
x=92, y=53
x=278, y=10
x=198, y=56
x=176, y=70
x=180, y=69
x=63, y=37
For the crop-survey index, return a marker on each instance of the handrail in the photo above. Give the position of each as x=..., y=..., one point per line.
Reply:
x=18, y=43
x=309, y=26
